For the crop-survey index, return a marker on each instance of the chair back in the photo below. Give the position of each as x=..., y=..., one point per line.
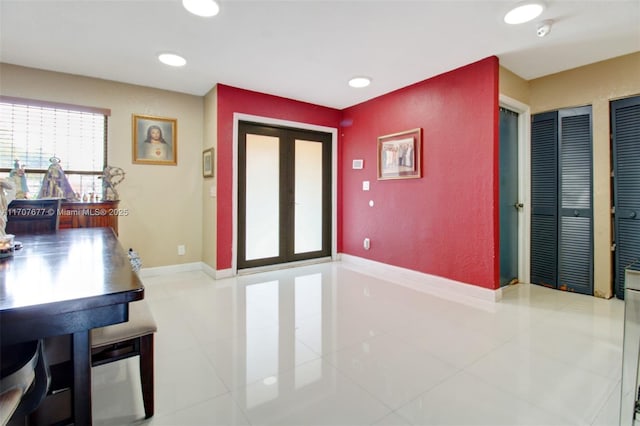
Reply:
x=33, y=216
x=23, y=368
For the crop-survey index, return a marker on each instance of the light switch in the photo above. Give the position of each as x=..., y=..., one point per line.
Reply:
x=365, y=185
x=212, y=191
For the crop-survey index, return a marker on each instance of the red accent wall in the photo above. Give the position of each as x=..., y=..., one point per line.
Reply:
x=233, y=100
x=445, y=223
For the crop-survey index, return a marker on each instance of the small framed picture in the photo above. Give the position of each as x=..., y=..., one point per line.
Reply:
x=155, y=140
x=207, y=162
x=399, y=155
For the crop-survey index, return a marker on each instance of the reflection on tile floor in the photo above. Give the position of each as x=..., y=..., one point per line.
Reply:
x=329, y=345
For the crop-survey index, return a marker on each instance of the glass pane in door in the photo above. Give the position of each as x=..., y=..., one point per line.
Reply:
x=308, y=196
x=262, y=197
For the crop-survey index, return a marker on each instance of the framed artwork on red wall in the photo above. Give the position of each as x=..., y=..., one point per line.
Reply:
x=399, y=155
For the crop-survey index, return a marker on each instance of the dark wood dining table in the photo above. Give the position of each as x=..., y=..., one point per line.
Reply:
x=66, y=283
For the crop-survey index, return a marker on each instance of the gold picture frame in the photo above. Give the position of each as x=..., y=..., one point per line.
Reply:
x=154, y=140
x=208, y=157
x=400, y=154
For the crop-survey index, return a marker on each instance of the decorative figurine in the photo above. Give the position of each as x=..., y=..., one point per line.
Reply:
x=134, y=259
x=55, y=183
x=20, y=180
x=5, y=199
x=111, y=177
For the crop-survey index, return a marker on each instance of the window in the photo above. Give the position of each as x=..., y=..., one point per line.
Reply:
x=33, y=132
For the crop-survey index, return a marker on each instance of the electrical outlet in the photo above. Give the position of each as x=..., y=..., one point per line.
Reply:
x=181, y=250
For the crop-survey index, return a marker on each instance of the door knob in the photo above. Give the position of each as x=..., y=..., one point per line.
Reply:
x=518, y=206
x=576, y=213
x=633, y=215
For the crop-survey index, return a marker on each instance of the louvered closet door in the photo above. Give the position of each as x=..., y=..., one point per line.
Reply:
x=625, y=127
x=561, y=200
x=544, y=195
x=575, y=268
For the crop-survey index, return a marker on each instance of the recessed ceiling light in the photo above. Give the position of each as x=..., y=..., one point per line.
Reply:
x=359, y=82
x=206, y=8
x=524, y=12
x=172, y=59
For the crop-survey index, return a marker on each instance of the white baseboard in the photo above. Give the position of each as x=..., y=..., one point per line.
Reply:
x=208, y=270
x=222, y=273
x=170, y=269
x=426, y=283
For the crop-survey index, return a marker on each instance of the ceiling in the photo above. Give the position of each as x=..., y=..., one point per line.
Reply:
x=307, y=49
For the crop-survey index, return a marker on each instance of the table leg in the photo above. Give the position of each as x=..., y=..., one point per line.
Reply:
x=82, y=378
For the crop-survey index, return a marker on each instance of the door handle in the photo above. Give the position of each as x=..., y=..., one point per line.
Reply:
x=576, y=213
x=518, y=206
x=632, y=215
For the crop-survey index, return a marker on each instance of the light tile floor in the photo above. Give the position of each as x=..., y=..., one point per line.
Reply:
x=330, y=345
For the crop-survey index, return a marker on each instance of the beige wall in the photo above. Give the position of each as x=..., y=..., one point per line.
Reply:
x=514, y=86
x=163, y=201
x=209, y=219
x=596, y=85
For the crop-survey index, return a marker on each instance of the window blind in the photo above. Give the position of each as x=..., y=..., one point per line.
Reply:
x=33, y=132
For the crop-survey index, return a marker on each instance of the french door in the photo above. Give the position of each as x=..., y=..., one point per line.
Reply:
x=284, y=195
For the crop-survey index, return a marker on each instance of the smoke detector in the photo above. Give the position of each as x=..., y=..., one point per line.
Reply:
x=544, y=28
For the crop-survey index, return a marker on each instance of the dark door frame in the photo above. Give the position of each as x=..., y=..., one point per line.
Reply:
x=287, y=138
x=267, y=121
